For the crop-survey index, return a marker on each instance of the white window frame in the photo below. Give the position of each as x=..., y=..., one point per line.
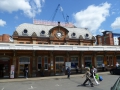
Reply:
x=108, y=60
x=39, y=62
x=87, y=60
x=59, y=59
x=74, y=61
x=102, y=57
x=46, y=62
x=24, y=60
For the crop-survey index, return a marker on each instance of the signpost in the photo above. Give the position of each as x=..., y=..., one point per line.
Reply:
x=12, y=69
x=67, y=64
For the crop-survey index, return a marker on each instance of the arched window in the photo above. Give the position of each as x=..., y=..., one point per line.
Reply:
x=42, y=33
x=73, y=35
x=25, y=31
x=86, y=36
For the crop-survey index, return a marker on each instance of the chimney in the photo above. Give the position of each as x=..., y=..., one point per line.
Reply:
x=58, y=23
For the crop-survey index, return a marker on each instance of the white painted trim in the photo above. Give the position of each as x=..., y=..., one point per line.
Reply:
x=12, y=46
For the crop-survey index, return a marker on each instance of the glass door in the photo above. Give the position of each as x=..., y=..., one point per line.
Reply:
x=23, y=62
x=59, y=62
x=4, y=68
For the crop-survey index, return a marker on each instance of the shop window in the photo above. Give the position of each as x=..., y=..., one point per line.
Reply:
x=56, y=43
x=45, y=62
x=109, y=61
x=39, y=63
x=59, y=59
x=88, y=61
x=45, y=43
x=24, y=60
x=74, y=62
x=61, y=43
x=21, y=42
x=99, y=61
x=39, y=42
x=27, y=42
x=85, y=44
x=118, y=59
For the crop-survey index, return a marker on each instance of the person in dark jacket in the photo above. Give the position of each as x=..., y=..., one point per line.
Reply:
x=26, y=72
x=68, y=72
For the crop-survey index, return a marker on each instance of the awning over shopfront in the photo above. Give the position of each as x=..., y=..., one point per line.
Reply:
x=4, y=46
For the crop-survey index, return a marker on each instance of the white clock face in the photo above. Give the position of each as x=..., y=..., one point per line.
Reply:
x=59, y=34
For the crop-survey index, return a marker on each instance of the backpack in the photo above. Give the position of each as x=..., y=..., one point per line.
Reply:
x=100, y=78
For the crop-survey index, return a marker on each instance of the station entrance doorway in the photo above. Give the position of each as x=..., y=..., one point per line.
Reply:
x=4, y=67
x=23, y=62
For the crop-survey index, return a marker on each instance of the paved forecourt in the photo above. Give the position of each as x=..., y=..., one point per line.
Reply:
x=58, y=83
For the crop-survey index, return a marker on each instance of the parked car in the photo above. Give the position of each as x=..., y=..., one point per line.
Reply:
x=115, y=70
x=116, y=86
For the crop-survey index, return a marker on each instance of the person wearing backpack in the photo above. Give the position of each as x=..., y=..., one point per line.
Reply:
x=68, y=72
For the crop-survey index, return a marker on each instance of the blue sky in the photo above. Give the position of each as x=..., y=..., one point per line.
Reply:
x=96, y=15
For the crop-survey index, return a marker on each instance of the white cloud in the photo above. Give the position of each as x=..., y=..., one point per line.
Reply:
x=101, y=30
x=92, y=17
x=2, y=23
x=116, y=23
x=29, y=7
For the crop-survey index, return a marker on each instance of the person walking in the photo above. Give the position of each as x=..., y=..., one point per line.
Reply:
x=26, y=72
x=94, y=72
x=68, y=72
x=117, y=64
x=87, y=74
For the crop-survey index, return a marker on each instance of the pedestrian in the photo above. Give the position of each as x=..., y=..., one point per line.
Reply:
x=26, y=72
x=87, y=74
x=103, y=67
x=77, y=68
x=68, y=72
x=117, y=64
x=94, y=72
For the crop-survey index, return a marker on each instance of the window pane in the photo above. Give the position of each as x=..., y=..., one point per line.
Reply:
x=118, y=59
x=24, y=60
x=39, y=60
x=46, y=60
x=74, y=62
x=99, y=61
x=61, y=59
x=46, y=66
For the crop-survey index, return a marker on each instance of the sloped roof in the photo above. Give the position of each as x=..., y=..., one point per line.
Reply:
x=31, y=28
